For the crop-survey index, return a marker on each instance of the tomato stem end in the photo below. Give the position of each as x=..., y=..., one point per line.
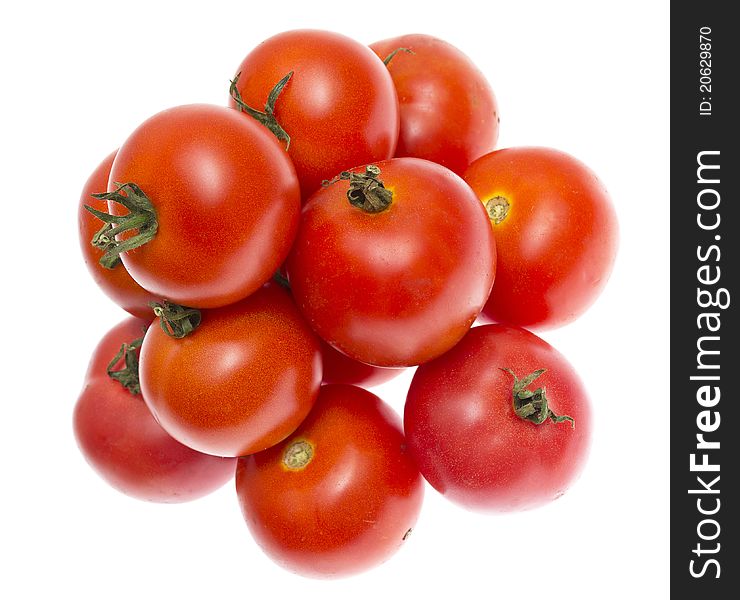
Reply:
x=532, y=405
x=298, y=455
x=497, y=209
x=175, y=320
x=141, y=217
x=366, y=191
x=128, y=376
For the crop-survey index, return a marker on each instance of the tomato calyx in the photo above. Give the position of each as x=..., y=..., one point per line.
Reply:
x=266, y=117
x=175, y=320
x=297, y=456
x=281, y=280
x=389, y=58
x=497, y=209
x=366, y=191
x=141, y=217
x=532, y=405
x=128, y=376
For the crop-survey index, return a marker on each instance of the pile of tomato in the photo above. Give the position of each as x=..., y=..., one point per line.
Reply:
x=344, y=217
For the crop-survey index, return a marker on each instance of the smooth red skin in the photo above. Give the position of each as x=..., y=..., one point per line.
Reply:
x=339, y=368
x=339, y=107
x=449, y=113
x=227, y=201
x=120, y=439
x=116, y=283
x=348, y=509
x=241, y=382
x=400, y=287
x=468, y=442
x=557, y=245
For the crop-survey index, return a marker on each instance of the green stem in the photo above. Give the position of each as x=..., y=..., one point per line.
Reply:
x=532, y=405
x=141, y=217
x=389, y=58
x=175, y=320
x=266, y=117
x=365, y=191
x=128, y=376
x=281, y=280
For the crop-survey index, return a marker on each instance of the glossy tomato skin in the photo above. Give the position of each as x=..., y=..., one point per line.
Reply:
x=120, y=439
x=351, y=506
x=466, y=438
x=339, y=368
x=399, y=287
x=449, y=113
x=241, y=382
x=339, y=108
x=116, y=283
x=227, y=201
x=558, y=241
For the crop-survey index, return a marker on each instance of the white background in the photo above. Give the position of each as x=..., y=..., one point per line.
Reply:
x=590, y=78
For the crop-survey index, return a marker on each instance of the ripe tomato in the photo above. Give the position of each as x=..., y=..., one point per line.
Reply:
x=340, y=495
x=120, y=439
x=556, y=235
x=241, y=382
x=466, y=437
x=449, y=114
x=400, y=286
x=339, y=368
x=226, y=199
x=117, y=284
x=339, y=107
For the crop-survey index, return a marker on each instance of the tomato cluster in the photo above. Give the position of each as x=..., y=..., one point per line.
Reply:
x=344, y=217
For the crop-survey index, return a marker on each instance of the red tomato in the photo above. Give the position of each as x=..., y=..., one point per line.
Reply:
x=339, y=368
x=241, y=382
x=466, y=437
x=397, y=287
x=449, y=114
x=121, y=440
x=226, y=199
x=340, y=495
x=556, y=235
x=117, y=284
x=339, y=107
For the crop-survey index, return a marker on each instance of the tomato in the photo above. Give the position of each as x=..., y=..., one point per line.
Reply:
x=339, y=368
x=449, y=113
x=464, y=433
x=556, y=235
x=117, y=284
x=399, y=286
x=340, y=495
x=239, y=383
x=226, y=199
x=339, y=107
x=120, y=439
